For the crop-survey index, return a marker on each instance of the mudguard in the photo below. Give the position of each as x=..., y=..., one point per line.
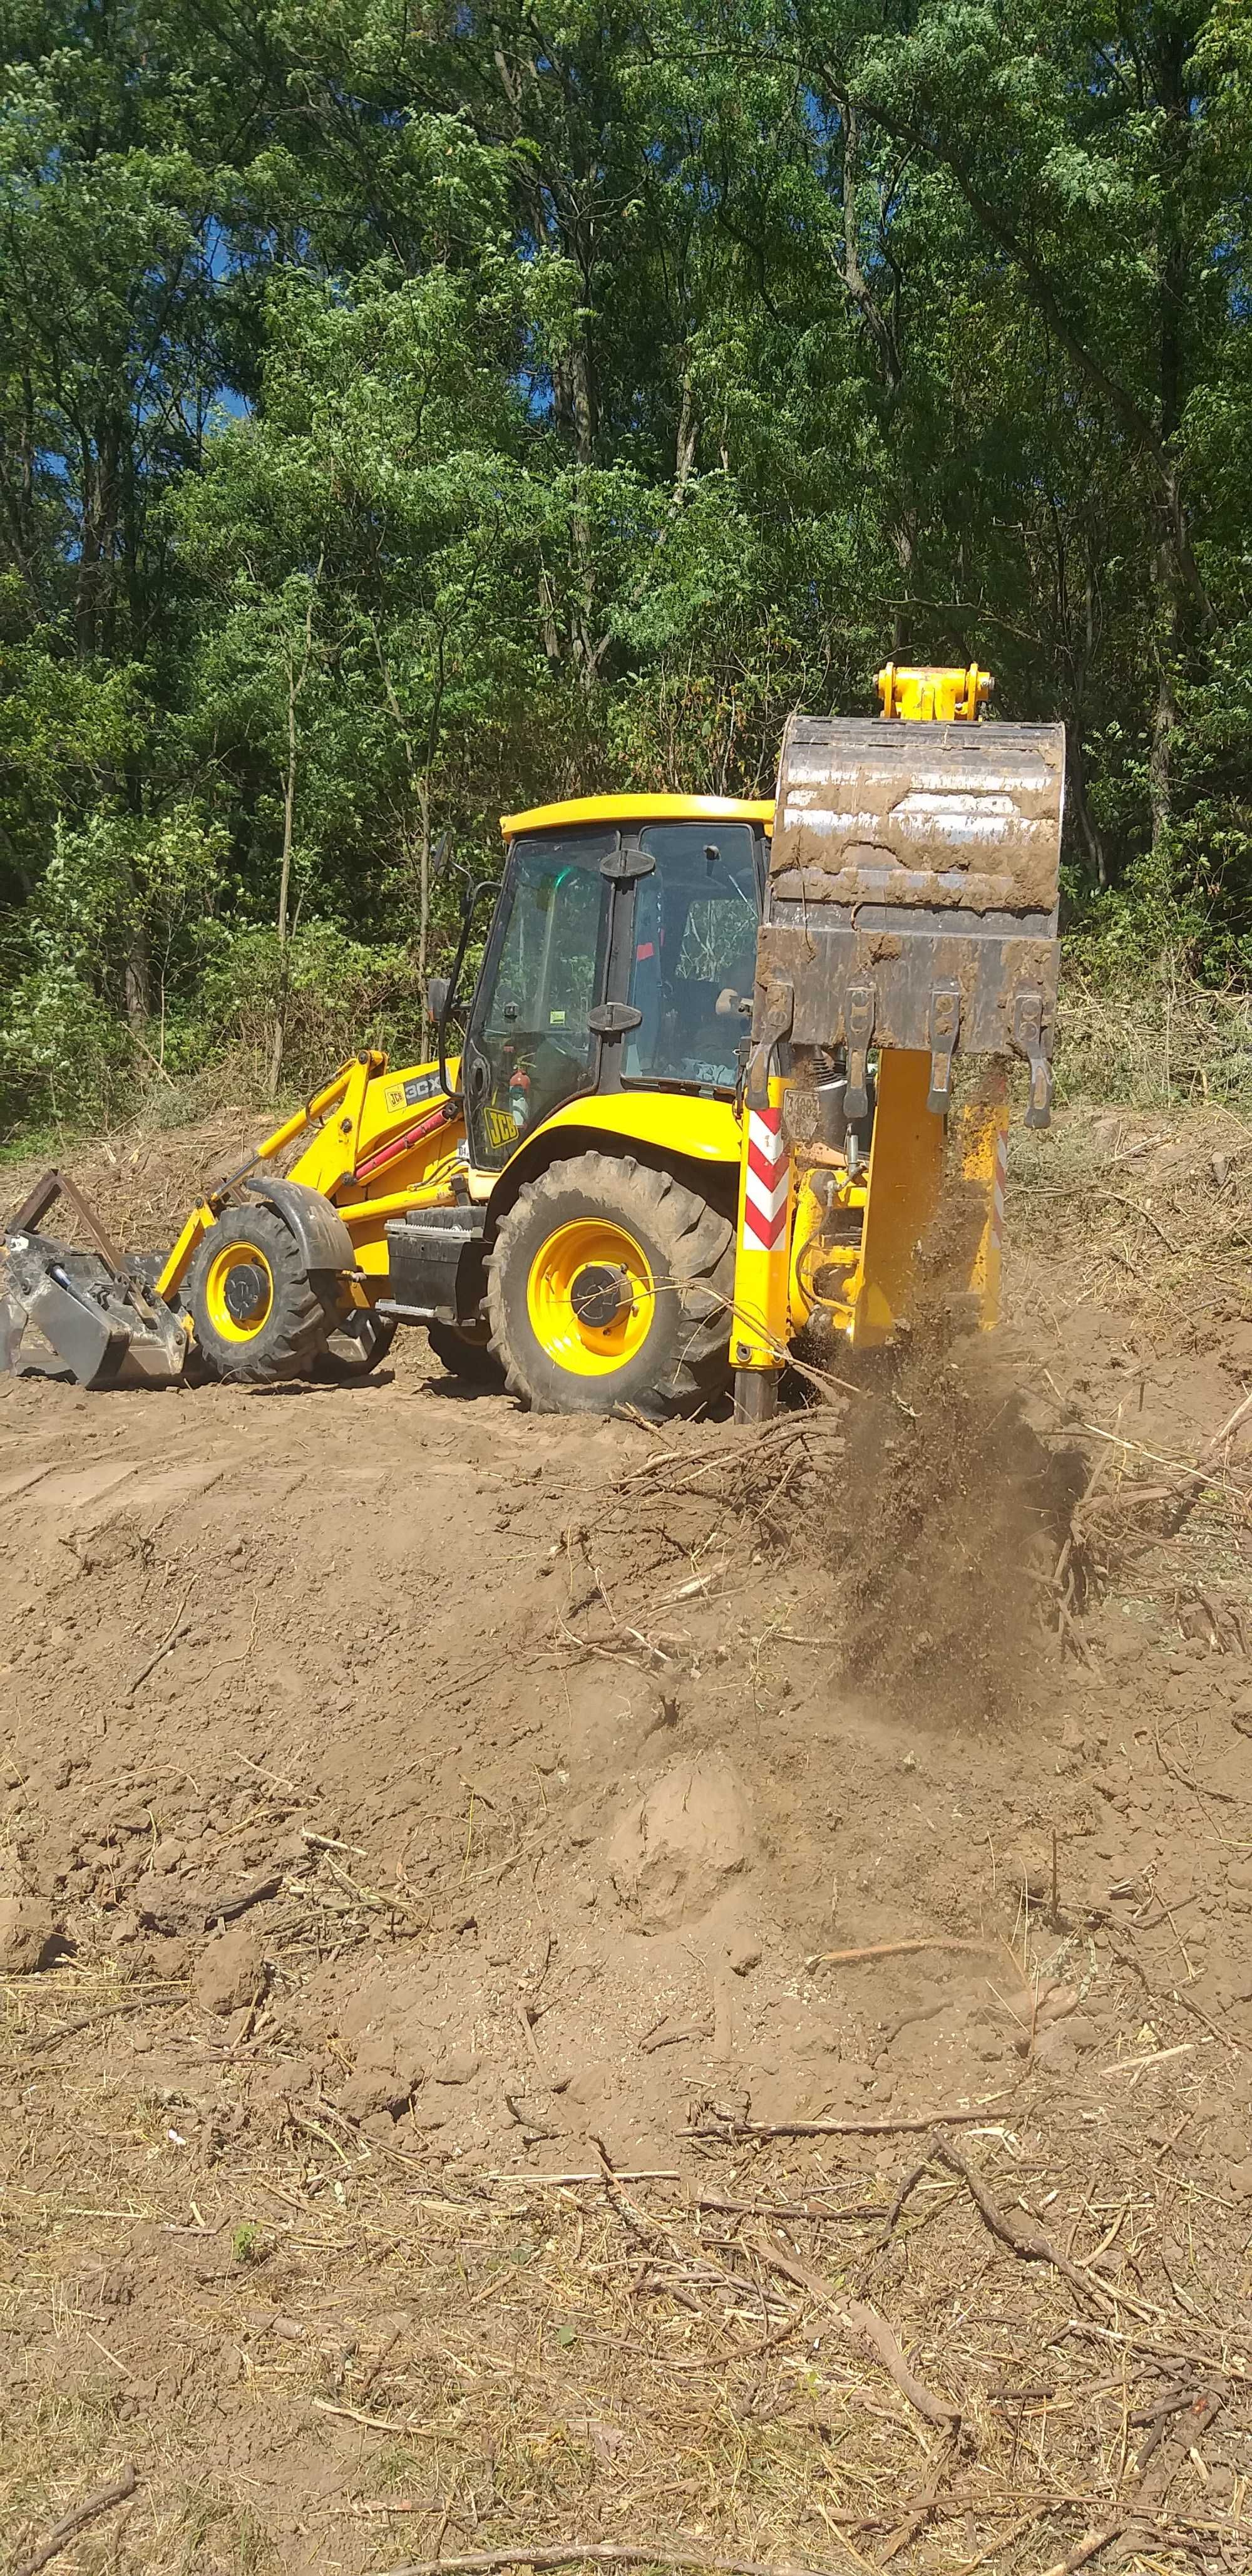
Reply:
x=324, y=1240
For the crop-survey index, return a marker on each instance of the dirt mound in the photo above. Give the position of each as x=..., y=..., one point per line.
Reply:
x=416, y=1804
x=676, y=1850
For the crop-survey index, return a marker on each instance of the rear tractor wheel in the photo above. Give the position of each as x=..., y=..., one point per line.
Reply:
x=258, y=1315
x=611, y=1284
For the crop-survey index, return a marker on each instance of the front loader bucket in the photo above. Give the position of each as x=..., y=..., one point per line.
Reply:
x=105, y=1324
x=106, y=1329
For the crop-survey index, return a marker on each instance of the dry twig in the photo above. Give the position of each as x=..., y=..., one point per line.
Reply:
x=599, y=2553
x=1030, y=2243
x=896, y=1950
x=725, y=2130
x=103, y=2501
x=870, y=2328
x=168, y=1641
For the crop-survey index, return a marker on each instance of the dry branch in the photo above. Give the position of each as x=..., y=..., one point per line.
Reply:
x=599, y=2554
x=168, y=1642
x=221, y=1905
x=868, y=2327
x=785, y=2209
x=565, y=2181
x=92, y=2506
x=896, y=1950
x=1030, y=2243
x=1152, y=2477
x=726, y=2130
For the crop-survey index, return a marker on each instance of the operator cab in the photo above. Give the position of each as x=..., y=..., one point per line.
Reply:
x=622, y=957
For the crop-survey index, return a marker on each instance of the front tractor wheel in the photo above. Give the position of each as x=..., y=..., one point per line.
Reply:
x=611, y=1284
x=258, y=1315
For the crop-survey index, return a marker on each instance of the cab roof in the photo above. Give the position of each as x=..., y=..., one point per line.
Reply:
x=640, y=809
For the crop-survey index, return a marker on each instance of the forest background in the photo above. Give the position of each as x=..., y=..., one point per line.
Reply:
x=411, y=412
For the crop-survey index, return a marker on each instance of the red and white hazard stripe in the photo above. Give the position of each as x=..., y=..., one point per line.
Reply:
x=765, y=1187
x=999, y=1178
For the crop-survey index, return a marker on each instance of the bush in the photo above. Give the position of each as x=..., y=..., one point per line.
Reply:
x=337, y=996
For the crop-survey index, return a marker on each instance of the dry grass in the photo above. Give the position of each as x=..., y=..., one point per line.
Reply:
x=1154, y=1213
x=1161, y=1043
x=516, y=2364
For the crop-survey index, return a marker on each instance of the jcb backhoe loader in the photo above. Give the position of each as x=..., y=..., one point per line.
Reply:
x=701, y=1101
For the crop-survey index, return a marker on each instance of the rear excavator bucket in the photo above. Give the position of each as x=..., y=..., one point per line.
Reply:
x=914, y=881
x=911, y=912
x=104, y=1321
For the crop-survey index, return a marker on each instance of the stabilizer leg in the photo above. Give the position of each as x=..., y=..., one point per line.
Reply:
x=756, y=1394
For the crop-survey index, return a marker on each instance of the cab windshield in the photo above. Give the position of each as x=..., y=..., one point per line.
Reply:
x=530, y=1036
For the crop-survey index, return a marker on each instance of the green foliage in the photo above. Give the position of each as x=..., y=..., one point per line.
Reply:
x=401, y=421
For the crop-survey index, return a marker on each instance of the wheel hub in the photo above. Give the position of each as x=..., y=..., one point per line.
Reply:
x=599, y=1294
x=244, y=1291
x=590, y=1295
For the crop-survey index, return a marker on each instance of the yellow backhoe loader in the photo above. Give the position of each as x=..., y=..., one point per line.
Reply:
x=701, y=1104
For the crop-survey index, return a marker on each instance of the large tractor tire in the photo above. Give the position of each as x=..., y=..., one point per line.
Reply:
x=259, y=1316
x=611, y=1284
x=468, y=1356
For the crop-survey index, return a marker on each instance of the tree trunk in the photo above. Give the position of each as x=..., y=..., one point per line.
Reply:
x=1160, y=756
x=1176, y=619
x=284, y=882
x=590, y=652
x=687, y=438
x=295, y=683
x=135, y=982
x=1089, y=840
x=423, y=893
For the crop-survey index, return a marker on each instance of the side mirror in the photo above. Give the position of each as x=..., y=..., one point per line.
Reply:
x=437, y=992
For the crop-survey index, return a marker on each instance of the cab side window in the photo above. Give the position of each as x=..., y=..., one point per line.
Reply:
x=694, y=956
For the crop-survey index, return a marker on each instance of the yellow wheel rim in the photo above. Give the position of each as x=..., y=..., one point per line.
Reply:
x=590, y=1297
x=238, y=1292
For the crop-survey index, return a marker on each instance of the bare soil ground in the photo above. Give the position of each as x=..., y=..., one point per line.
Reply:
x=685, y=1992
